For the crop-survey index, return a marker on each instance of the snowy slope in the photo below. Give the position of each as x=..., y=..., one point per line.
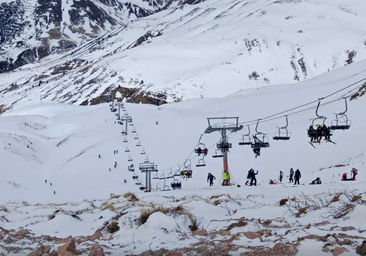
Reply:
x=65, y=141
x=208, y=49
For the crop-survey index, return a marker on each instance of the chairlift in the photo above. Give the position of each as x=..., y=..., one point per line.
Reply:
x=120, y=122
x=133, y=130
x=156, y=176
x=224, y=146
x=142, y=188
x=170, y=174
x=162, y=176
x=143, y=152
x=135, y=177
x=260, y=139
x=218, y=154
x=341, y=122
x=282, y=133
x=246, y=140
x=157, y=187
x=315, y=131
x=124, y=133
x=201, y=162
x=127, y=149
x=131, y=168
x=125, y=140
x=131, y=124
x=138, y=144
x=130, y=159
x=201, y=148
x=177, y=172
x=176, y=184
x=166, y=187
x=136, y=137
x=146, y=160
x=138, y=183
x=187, y=169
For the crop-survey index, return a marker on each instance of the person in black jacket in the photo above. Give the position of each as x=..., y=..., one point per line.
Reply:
x=211, y=178
x=253, y=179
x=297, y=177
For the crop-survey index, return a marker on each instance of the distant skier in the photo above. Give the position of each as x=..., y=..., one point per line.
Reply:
x=125, y=181
x=211, y=178
x=110, y=169
x=281, y=176
x=205, y=151
x=51, y=184
x=317, y=181
x=257, y=152
x=45, y=181
x=291, y=175
x=116, y=151
x=354, y=172
x=253, y=179
x=54, y=192
x=226, y=178
x=99, y=156
x=156, y=122
x=297, y=177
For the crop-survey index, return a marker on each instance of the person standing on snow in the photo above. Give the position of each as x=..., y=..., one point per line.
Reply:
x=354, y=172
x=210, y=178
x=291, y=175
x=297, y=177
x=281, y=176
x=226, y=178
x=253, y=179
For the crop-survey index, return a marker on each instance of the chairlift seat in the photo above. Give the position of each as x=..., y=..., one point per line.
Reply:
x=138, y=183
x=224, y=145
x=281, y=137
x=200, y=165
x=127, y=150
x=133, y=131
x=243, y=143
x=260, y=145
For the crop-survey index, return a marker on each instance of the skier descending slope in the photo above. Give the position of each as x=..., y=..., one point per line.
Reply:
x=211, y=178
x=297, y=177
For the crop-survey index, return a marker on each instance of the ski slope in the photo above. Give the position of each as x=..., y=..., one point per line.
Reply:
x=61, y=143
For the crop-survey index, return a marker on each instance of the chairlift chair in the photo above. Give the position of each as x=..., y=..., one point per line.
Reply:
x=313, y=132
x=246, y=140
x=133, y=130
x=341, y=122
x=127, y=149
x=218, y=154
x=125, y=140
x=131, y=124
x=224, y=146
x=136, y=137
x=138, y=144
x=282, y=133
x=146, y=160
x=143, y=152
x=157, y=187
x=162, y=176
x=170, y=175
x=135, y=177
x=260, y=139
x=201, y=148
x=201, y=163
x=138, y=183
x=142, y=188
x=155, y=177
x=124, y=133
x=166, y=187
x=130, y=159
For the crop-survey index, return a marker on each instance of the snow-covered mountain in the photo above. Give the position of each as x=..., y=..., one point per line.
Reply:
x=31, y=30
x=193, y=49
x=53, y=184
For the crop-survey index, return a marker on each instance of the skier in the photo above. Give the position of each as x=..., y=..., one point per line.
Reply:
x=125, y=181
x=291, y=175
x=226, y=178
x=354, y=172
x=205, y=151
x=311, y=133
x=281, y=176
x=253, y=179
x=199, y=151
x=99, y=156
x=317, y=181
x=116, y=151
x=54, y=192
x=210, y=178
x=110, y=169
x=51, y=184
x=319, y=132
x=326, y=132
x=257, y=152
x=297, y=177
x=156, y=122
x=45, y=181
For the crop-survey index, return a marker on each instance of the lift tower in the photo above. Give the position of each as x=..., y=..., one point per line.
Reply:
x=223, y=125
x=148, y=168
x=126, y=120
